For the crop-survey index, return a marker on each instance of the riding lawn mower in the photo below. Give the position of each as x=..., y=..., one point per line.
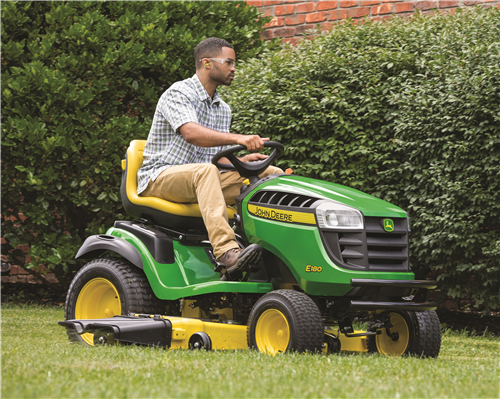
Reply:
x=334, y=273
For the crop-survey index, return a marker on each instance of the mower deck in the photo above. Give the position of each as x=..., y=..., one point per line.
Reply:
x=180, y=333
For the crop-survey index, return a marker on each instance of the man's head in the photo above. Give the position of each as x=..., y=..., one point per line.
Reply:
x=209, y=48
x=215, y=57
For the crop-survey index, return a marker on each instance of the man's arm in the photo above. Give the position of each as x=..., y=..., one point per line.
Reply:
x=205, y=137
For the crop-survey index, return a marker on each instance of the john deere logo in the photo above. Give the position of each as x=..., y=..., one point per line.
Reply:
x=388, y=225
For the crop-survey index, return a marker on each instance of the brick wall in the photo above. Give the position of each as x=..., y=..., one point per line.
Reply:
x=292, y=18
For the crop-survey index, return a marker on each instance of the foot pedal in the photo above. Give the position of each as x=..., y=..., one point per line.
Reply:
x=218, y=267
x=247, y=262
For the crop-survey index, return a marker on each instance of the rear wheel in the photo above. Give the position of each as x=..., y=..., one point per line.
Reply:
x=285, y=320
x=412, y=333
x=105, y=288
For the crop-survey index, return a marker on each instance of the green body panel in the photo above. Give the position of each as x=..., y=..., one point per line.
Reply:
x=192, y=273
x=299, y=246
x=367, y=204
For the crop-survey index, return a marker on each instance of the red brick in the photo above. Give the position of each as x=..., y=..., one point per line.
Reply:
x=284, y=10
x=426, y=5
x=359, y=12
x=306, y=7
x=295, y=20
x=256, y=3
x=348, y=3
x=369, y=2
x=327, y=26
x=267, y=11
x=51, y=278
x=284, y=32
x=316, y=17
x=293, y=1
x=470, y=2
x=276, y=21
x=299, y=30
x=382, y=18
x=266, y=35
x=272, y=2
x=291, y=40
x=448, y=3
x=337, y=14
x=384, y=9
x=326, y=5
x=404, y=7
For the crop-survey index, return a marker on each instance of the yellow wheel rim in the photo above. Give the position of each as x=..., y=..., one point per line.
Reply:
x=97, y=299
x=396, y=344
x=272, y=333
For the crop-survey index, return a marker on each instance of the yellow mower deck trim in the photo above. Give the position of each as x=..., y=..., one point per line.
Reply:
x=233, y=336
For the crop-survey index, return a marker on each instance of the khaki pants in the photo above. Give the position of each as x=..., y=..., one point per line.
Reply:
x=212, y=190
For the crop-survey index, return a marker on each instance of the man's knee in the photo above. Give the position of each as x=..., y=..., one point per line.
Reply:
x=271, y=170
x=207, y=172
x=275, y=169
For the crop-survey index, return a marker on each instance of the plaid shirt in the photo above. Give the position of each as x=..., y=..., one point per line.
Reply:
x=183, y=102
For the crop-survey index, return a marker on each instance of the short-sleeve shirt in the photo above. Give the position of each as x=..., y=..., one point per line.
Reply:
x=183, y=102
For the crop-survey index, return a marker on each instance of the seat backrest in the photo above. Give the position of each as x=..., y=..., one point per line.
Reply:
x=139, y=206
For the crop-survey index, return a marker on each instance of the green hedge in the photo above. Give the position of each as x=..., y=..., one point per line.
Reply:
x=80, y=80
x=408, y=110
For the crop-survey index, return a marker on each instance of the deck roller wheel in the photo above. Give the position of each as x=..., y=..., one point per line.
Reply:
x=200, y=340
x=283, y=321
x=105, y=288
x=331, y=344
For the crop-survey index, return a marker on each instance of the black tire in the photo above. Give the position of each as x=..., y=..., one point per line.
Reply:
x=415, y=333
x=283, y=321
x=107, y=287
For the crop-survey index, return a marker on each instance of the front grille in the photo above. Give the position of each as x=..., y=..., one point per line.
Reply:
x=282, y=199
x=373, y=249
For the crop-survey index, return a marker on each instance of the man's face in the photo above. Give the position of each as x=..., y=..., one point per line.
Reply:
x=222, y=73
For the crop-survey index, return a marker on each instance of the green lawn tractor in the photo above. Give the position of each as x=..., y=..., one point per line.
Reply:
x=333, y=276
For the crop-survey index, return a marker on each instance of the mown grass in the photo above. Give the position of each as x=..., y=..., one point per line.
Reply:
x=39, y=362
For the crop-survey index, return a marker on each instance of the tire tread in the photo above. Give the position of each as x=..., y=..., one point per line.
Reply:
x=308, y=323
x=139, y=296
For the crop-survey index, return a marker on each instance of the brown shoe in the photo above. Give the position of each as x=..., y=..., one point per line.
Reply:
x=237, y=259
x=230, y=257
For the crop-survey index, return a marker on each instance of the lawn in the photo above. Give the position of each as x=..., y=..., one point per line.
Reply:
x=39, y=362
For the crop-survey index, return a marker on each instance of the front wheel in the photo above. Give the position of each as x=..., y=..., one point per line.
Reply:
x=105, y=288
x=412, y=333
x=283, y=321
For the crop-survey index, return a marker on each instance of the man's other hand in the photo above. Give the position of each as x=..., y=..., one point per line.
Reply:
x=253, y=143
x=253, y=157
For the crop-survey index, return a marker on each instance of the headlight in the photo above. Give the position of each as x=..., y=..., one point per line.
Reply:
x=332, y=215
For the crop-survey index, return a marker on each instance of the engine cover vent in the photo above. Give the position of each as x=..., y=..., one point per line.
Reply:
x=280, y=198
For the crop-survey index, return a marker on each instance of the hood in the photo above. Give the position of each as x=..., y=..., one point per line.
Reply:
x=367, y=204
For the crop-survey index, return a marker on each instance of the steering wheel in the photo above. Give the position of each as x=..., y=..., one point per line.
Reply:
x=247, y=169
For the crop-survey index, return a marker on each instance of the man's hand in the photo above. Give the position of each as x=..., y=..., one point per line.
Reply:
x=253, y=143
x=253, y=157
x=205, y=137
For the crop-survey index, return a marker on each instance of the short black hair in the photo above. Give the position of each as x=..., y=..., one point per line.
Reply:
x=209, y=48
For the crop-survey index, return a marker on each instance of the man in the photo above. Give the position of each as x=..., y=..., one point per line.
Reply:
x=191, y=124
